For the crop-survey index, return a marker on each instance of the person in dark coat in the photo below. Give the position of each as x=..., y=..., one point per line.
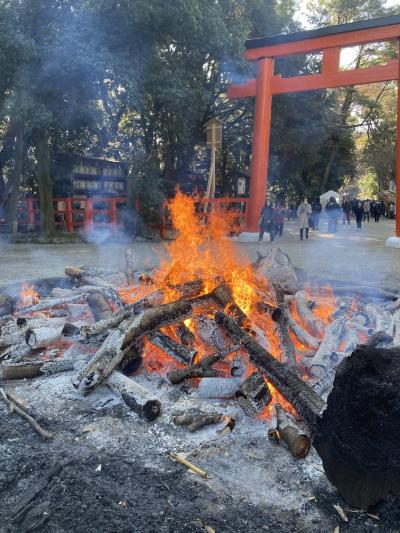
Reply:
x=332, y=209
x=292, y=212
x=279, y=218
x=316, y=209
x=346, y=207
x=359, y=214
x=267, y=223
x=376, y=211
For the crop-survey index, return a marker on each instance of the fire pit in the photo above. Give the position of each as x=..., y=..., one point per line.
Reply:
x=207, y=355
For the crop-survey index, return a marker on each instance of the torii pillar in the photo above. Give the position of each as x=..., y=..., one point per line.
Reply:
x=329, y=41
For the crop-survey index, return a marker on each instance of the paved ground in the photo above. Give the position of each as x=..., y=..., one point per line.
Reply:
x=360, y=257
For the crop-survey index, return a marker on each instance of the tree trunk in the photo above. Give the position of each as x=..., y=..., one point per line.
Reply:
x=16, y=179
x=45, y=185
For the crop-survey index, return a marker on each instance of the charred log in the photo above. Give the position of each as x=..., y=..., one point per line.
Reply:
x=196, y=422
x=307, y=403
x=253, y=395
x=224, y=297
x=179, y=352
x=202, y=369
x=135, y=396
x=316, y=325
x=156, y=318
x=186, y=337
x=294, y=438
x=42, y=337
x=99, y=306
x=218, y=387
x=33, y=369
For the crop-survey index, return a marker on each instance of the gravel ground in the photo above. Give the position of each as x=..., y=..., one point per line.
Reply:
x=359, y=257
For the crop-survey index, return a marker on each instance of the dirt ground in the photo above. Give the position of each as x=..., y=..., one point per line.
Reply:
x=349, y=255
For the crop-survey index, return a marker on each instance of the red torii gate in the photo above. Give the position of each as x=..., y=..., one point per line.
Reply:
x=330, y=41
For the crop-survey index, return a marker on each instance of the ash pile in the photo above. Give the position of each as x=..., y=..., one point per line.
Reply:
x=300, y=364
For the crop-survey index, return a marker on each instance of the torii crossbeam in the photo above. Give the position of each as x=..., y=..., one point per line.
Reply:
x=329, y=41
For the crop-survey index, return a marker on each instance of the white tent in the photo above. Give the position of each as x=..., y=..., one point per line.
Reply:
x=324, y=198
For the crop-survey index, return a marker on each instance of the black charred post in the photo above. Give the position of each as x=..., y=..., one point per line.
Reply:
x=178, y=351
x=253, y=395
x=99, y=306
x=358, y=436
x=306, y=402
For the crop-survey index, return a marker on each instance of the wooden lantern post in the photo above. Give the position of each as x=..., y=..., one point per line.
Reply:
x=213, y=129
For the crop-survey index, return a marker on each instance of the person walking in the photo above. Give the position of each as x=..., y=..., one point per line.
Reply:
x=377, y=211
x=332, y=209
x=367, y=209
x=359, y=214
x=316, y=209
x=303, y=212
x=279, y=217
x=266, y=222
x=346, y=207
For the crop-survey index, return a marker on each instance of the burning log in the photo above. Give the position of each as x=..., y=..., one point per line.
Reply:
x=99, y=306
x=383, y=319
x=358, y=436
x=223, y=296
x=302, y=335
x=179, y=352
x=316, y=325
x=218, y=387
x=33, y=369
x=321, y=362
x=135, y=396
x=120, y=341
x=48, y=303
x=196, y=422
x=106, y=324
x=202, y=369
x=268, y=309
x=83, y=277
x=105, y=360
x=288, y=349
x=307, y=403
x=210, y=333
x=186, y=337
x=156, y=318
x=294, y=438
x=42, y=337
x=253, y=395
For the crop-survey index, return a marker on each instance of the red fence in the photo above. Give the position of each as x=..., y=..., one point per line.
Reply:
x=72, y=214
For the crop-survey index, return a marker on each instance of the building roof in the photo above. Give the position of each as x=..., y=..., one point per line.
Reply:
x=321, y=32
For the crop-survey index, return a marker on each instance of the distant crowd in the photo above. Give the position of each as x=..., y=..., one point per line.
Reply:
x=308, y=215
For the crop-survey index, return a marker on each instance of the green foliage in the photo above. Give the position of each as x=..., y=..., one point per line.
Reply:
x=138, y=79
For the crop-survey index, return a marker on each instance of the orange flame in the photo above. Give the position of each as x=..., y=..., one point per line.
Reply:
x=28, y=295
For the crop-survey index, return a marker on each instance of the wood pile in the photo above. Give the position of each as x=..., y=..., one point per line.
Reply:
x=211, y=343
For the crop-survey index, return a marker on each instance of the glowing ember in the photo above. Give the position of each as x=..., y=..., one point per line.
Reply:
x=28, y=295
